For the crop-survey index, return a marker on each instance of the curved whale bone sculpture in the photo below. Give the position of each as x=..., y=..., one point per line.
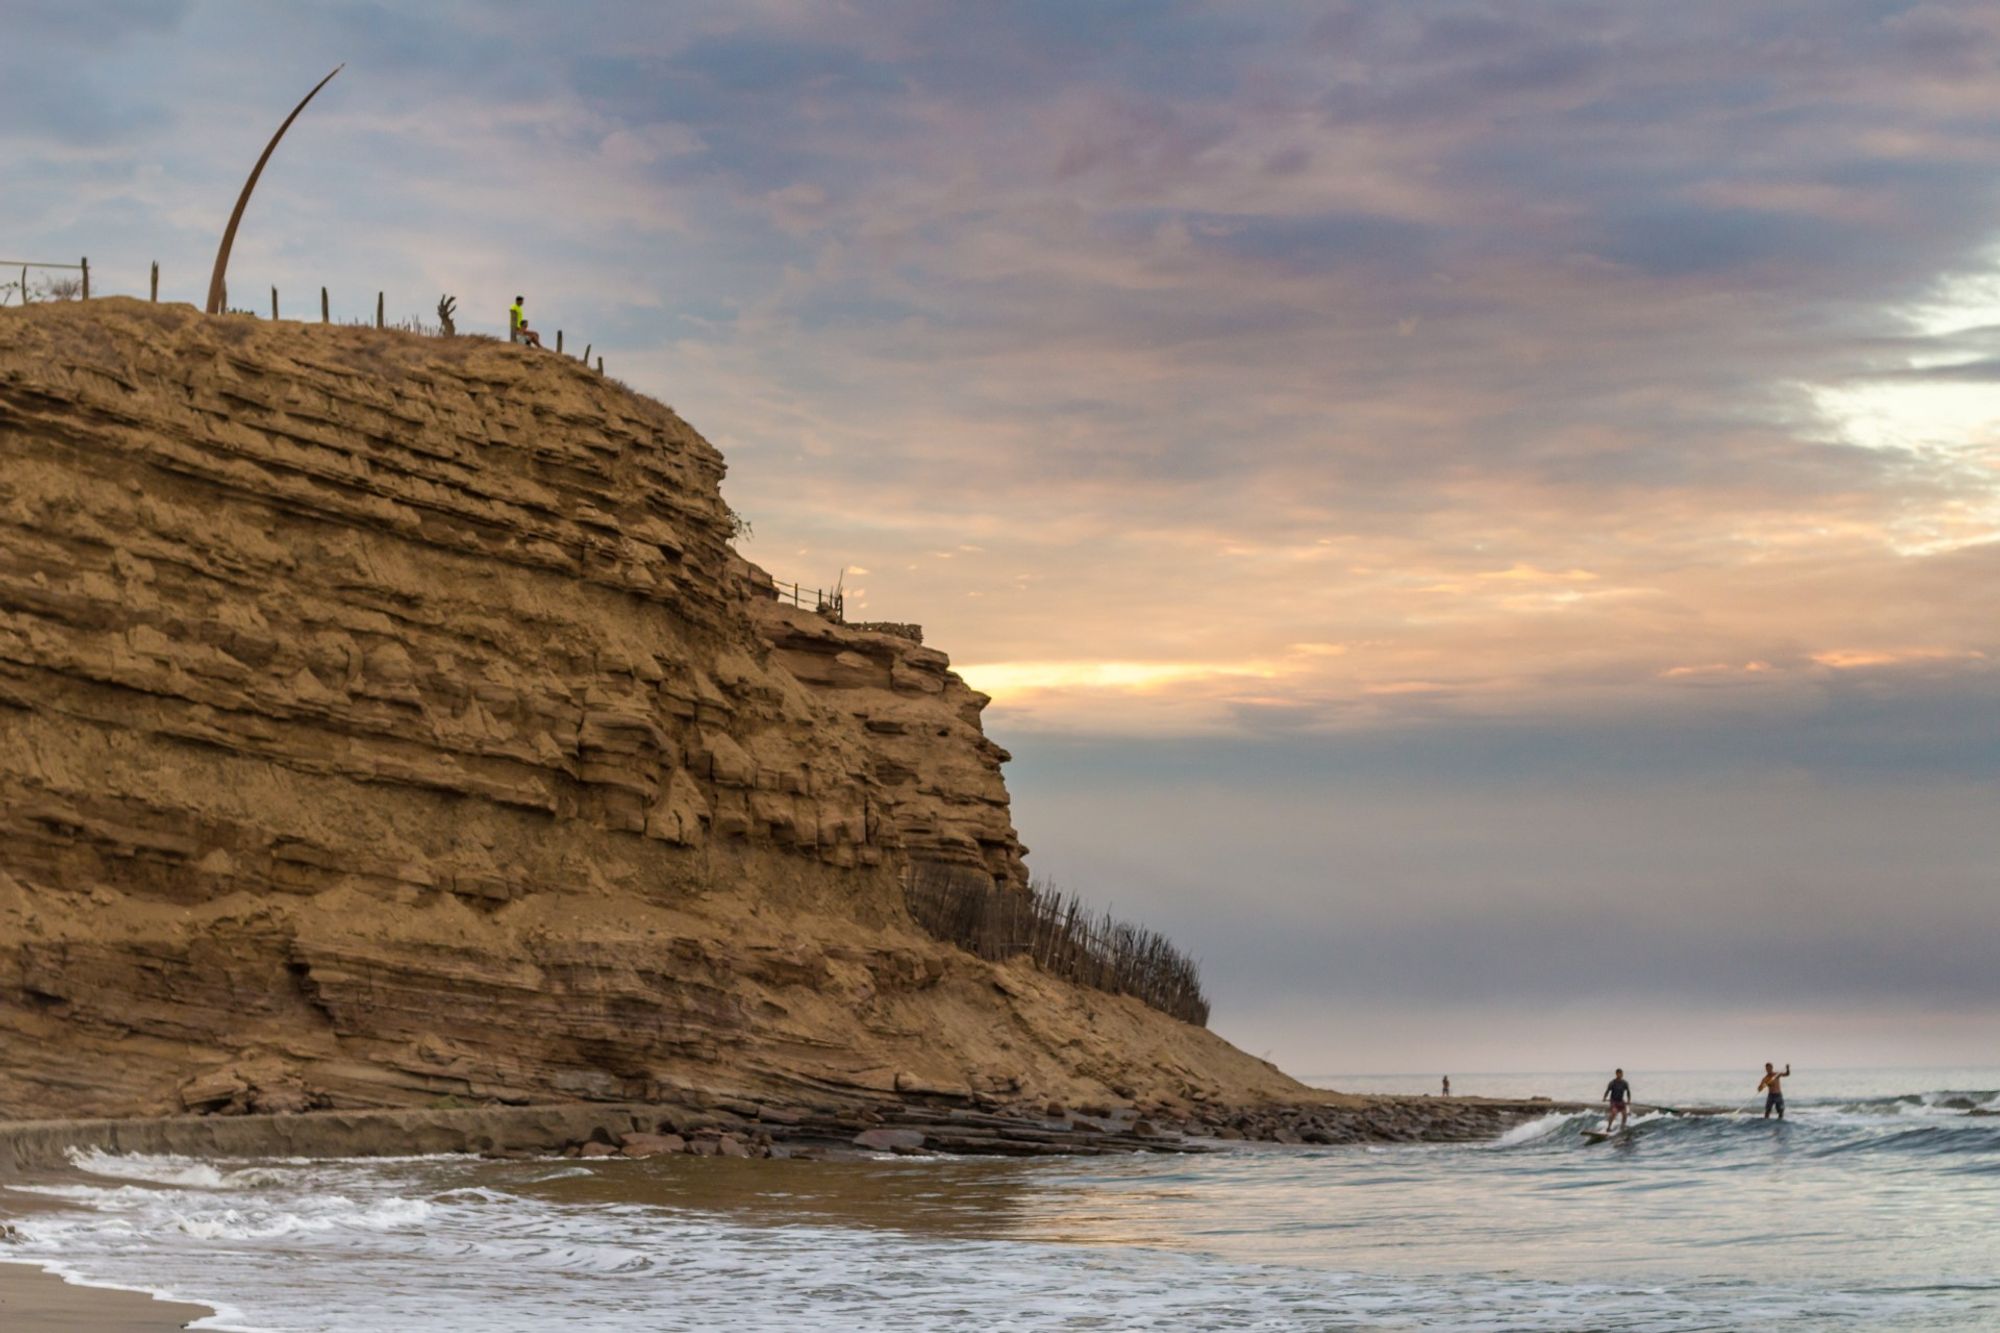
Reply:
x=217, y=287
x=447, y=308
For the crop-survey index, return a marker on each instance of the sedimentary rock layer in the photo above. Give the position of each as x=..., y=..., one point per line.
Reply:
x=723, y=1126
x=386, y=719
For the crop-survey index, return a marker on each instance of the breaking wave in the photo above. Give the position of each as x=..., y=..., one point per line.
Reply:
x=1950, y=1123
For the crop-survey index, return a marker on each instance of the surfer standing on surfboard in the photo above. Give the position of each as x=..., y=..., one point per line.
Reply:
x=1618, y=1095
x=1772, y=1086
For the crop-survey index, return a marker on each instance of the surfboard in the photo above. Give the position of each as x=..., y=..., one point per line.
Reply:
x=1600, y=1135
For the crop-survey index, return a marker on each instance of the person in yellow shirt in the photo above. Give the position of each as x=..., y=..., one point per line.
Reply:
x=519, y=325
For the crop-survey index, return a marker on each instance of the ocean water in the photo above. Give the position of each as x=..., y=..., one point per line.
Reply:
x=1876, y=1206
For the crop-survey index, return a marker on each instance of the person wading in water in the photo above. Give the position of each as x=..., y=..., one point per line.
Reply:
x=1773, y=1088
x=1618, y=1096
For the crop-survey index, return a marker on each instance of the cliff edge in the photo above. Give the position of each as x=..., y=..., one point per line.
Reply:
x=387, y=720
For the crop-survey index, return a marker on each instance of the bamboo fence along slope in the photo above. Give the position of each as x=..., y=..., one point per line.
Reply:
x=1055, y=929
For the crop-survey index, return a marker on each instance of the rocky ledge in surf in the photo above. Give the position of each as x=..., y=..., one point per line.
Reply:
x=821, y=1132
x=1384, y=1120
x=764, y=1131
x=735, y=1126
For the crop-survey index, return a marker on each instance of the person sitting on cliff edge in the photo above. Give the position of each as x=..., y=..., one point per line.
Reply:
x=517, y=325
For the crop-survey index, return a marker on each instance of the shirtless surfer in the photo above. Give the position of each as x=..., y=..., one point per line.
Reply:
x=1618, y=1098
x=1771, y=1085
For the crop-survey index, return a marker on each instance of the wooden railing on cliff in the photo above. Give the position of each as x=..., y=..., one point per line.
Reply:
x=830, y=603
x=963, y=907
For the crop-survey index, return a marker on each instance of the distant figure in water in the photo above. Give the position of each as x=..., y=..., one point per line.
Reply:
x=1618, y=1096
x=1772, y=1086
x=1447, y=1085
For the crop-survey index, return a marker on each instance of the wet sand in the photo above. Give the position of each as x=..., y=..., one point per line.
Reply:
x=31, y=1299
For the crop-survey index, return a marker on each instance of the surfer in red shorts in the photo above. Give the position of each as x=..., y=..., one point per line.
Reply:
x=1618, y=1099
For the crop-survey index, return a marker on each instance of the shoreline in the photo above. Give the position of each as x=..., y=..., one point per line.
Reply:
x=36, y=1298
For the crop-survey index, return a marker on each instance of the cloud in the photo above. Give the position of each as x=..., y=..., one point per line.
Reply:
x=1223, y=374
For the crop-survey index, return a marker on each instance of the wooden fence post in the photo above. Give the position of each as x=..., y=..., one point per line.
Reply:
x=156, y=282
x=322, y=307
x=274, y=305
x=24, y=284
x=378, y=310
x=558, y=340
x=84, y=264
x=586, y=353
x=600, y=365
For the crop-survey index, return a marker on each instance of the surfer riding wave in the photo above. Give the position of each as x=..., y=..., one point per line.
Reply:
x=1772, y=1086
x=1618, y=1101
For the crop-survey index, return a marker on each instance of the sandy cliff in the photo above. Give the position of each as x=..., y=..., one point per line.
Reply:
x=386, y=719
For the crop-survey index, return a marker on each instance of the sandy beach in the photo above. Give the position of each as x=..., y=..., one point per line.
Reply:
x=31, y=1299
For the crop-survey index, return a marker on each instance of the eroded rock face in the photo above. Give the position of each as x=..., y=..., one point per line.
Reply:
x=386, y=718
x=936, y=775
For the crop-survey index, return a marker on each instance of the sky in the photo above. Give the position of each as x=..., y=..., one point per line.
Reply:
x=1481, y=520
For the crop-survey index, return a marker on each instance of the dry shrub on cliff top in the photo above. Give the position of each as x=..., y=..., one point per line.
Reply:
x=963, y=907
x=32, y=292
